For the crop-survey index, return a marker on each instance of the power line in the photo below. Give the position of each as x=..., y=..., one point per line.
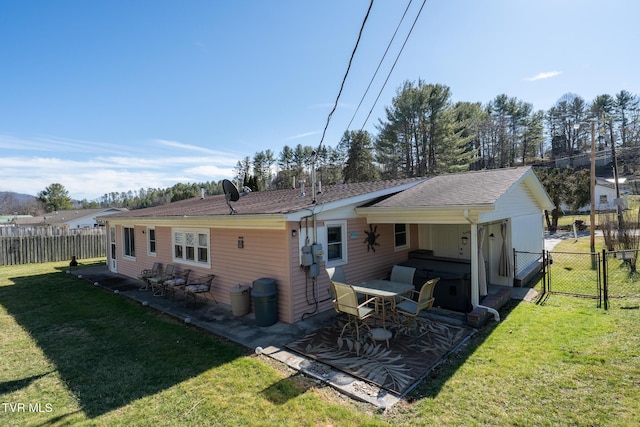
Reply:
x=380, y=63
x=344, y=79
x=394, y=64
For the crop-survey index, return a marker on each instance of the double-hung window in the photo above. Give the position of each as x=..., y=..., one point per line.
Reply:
x=129, y=243
x=191, y=246
x=401, y=236
x=151, y=241
x=336, y=243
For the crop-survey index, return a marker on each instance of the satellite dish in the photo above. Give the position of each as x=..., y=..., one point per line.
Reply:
x=231, y=193
x=230, y=190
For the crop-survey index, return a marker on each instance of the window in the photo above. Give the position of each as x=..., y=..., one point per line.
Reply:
x=336, y=243
x=129, y=242
x=191, y=246
x=400, y=235
x=151, y=236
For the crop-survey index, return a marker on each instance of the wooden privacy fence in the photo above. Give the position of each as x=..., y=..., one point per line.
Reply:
x=48, y=230
x=40, y=248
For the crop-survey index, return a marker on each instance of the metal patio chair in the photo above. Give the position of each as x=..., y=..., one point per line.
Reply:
x=410, y=309
x=346, y=301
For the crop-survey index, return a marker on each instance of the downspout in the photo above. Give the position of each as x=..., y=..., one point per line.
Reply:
x=475, y=292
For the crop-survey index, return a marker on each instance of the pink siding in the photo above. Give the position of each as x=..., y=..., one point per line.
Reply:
x=302, y=287
x=264, y=255
x=365, y=264
x=273, y=254
x=361, y=265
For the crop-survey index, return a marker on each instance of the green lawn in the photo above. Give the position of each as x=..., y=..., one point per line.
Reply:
x=565, y=222
x=71, y=354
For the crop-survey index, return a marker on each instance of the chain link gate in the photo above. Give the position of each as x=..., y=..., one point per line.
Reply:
x=575, y=273
x=621, y=278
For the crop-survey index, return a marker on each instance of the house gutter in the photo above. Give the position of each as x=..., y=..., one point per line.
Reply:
x=475, y=292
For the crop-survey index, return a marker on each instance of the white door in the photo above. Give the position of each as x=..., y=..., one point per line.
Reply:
x=113, y=263
x=451, y=240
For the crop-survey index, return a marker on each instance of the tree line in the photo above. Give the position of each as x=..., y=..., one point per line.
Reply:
x=425, y=133
x=55, y=197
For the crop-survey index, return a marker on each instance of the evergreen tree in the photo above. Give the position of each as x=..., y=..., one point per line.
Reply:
x=359, y=166
x=55, y=197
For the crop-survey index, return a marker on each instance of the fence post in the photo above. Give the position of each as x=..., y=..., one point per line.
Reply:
x=605, y=281
x=545, y=259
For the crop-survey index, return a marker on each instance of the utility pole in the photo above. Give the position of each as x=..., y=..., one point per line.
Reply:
x=592, y=188
x=618, y=201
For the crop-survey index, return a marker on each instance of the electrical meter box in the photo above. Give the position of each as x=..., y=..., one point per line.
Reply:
x=307, y=257
x=318, y=253
x=313, y=270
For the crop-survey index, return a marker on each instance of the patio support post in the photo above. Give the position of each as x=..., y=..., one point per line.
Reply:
x=475, y=289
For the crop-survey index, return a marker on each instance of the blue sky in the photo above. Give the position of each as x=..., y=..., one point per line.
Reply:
x=121, y=95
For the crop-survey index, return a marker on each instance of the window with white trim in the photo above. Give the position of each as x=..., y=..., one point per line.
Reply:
x=336, y=243
x=151, y=241
x=400, y=236
x=129, y=243
x=191, y=246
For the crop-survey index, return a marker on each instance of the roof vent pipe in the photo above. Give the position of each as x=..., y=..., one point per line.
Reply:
x=202, y=192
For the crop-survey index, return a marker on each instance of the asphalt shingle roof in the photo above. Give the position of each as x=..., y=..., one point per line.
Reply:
x=276, y=202
x=63, y=216
x=461, y=189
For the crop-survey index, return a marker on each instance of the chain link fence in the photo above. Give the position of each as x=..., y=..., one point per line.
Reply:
x=610, y=277
x=622, y=279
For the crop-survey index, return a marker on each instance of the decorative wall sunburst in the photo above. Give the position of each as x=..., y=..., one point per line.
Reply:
x=370, y=240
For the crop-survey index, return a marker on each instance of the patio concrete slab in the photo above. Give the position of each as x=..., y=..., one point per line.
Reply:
x=270, y=341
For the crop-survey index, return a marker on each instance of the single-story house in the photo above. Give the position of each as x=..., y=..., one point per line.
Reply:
x=605, y=195
x=11, y=219
x=292, y=236
x=72, y=218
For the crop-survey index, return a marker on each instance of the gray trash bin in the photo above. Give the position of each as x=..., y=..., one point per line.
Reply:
x=240, y=299
x=265, y=301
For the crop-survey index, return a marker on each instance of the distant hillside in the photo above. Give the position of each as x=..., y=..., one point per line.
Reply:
x=18, y=197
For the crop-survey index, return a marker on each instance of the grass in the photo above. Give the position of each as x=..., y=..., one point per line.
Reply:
x=565, y=222
x=88, y=357
x=92, y=357
x=572, y=267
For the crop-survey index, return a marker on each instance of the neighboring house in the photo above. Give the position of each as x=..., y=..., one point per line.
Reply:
x=605, y=195
x=272, y=233
x=11, y=219
x=73, y=218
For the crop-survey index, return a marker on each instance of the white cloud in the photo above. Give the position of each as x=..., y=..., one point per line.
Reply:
x=90, y=169
x=302, y=135
x=543, y=75
x=183, y=146
x=210, y=171
x=92, y=178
